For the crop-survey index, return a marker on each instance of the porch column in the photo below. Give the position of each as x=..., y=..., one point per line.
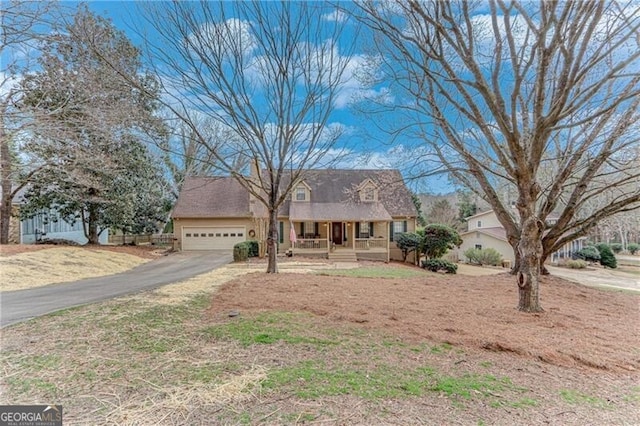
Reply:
x=353, y=236
x=388, y=241
x=329, y=238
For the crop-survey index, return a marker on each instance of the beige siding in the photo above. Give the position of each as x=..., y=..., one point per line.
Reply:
x=486, y=219
x=471, y=239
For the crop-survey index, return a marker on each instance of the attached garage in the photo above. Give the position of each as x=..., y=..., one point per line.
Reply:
x=212, y=237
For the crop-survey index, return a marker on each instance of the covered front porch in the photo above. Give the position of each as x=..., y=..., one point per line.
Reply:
x=324, y=229
x=363, y=238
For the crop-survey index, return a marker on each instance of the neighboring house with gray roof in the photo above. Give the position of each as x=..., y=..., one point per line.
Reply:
x=329, y=213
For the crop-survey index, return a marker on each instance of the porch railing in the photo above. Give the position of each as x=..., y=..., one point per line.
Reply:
x=370, y=243
x=311, y=243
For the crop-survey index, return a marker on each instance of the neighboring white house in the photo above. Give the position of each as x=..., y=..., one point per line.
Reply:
x=45, y=225
x=485, y=231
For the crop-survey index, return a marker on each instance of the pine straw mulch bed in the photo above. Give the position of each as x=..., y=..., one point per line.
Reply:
x=581, y=327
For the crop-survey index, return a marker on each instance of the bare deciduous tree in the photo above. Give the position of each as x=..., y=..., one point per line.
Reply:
x=543, y=96
x=270, y=71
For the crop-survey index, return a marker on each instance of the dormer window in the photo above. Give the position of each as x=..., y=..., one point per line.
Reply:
x=301, y=193
x=368, y=191
x=368, y=194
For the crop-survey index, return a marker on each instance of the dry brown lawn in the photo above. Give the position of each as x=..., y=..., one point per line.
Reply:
x=439, y=349
x=28, y=266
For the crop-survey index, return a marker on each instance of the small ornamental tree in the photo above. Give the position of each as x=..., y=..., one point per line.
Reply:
x=408, y=242
x=607, y=258
x=437, y=239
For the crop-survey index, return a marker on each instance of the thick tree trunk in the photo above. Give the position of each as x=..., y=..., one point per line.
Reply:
x=92, y=234
x=528, y=276
x=272, y=241
x=5, y=171
x=516, y=257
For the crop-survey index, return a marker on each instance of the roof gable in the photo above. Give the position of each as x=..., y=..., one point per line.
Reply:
x=211, y=197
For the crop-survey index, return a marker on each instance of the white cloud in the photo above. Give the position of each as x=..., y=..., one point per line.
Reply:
x=335, y=16
x=233, y=36
x=354, y=88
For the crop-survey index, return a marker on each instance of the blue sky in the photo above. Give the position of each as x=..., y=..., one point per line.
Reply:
x=370, y=146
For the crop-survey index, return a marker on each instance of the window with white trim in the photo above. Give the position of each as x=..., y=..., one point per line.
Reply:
x=301, y=193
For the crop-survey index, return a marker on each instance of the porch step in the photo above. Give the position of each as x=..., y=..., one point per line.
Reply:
x=343, y=256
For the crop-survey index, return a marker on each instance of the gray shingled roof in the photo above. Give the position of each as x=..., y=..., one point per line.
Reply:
x=317, y=212
x=338, y=186
x=212, y=197
x=333, y=191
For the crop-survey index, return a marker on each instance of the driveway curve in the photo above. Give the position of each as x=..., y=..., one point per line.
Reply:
x=21, y=305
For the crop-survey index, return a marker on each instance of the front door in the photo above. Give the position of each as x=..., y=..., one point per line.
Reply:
x=336, y=234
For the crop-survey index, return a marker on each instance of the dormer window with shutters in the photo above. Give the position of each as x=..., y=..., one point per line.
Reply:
x=368, y=191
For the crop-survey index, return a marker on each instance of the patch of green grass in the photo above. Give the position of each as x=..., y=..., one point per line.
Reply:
x=26, y=386
x=375, y=272
x=313, y=379
x=40, y=362
x=578, y=398
x=268, y=328
x=296, y=418
x=244, y=418
x=443, y=347
x=634, y=395
x=521, y=403
x=524, y=403
x=486, y=364
x=468, y=385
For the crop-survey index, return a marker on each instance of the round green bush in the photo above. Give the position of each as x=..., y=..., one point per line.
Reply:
x=607, y=258
x=616, y=247
x=241, y=252
x=633, y=248
x=589, y=253
x=435, y=265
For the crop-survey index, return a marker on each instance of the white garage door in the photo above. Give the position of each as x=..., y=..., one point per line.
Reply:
x=212, y=238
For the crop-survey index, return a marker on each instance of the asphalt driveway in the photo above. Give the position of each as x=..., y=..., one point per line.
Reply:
x=598, y=277
x=21, y=305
